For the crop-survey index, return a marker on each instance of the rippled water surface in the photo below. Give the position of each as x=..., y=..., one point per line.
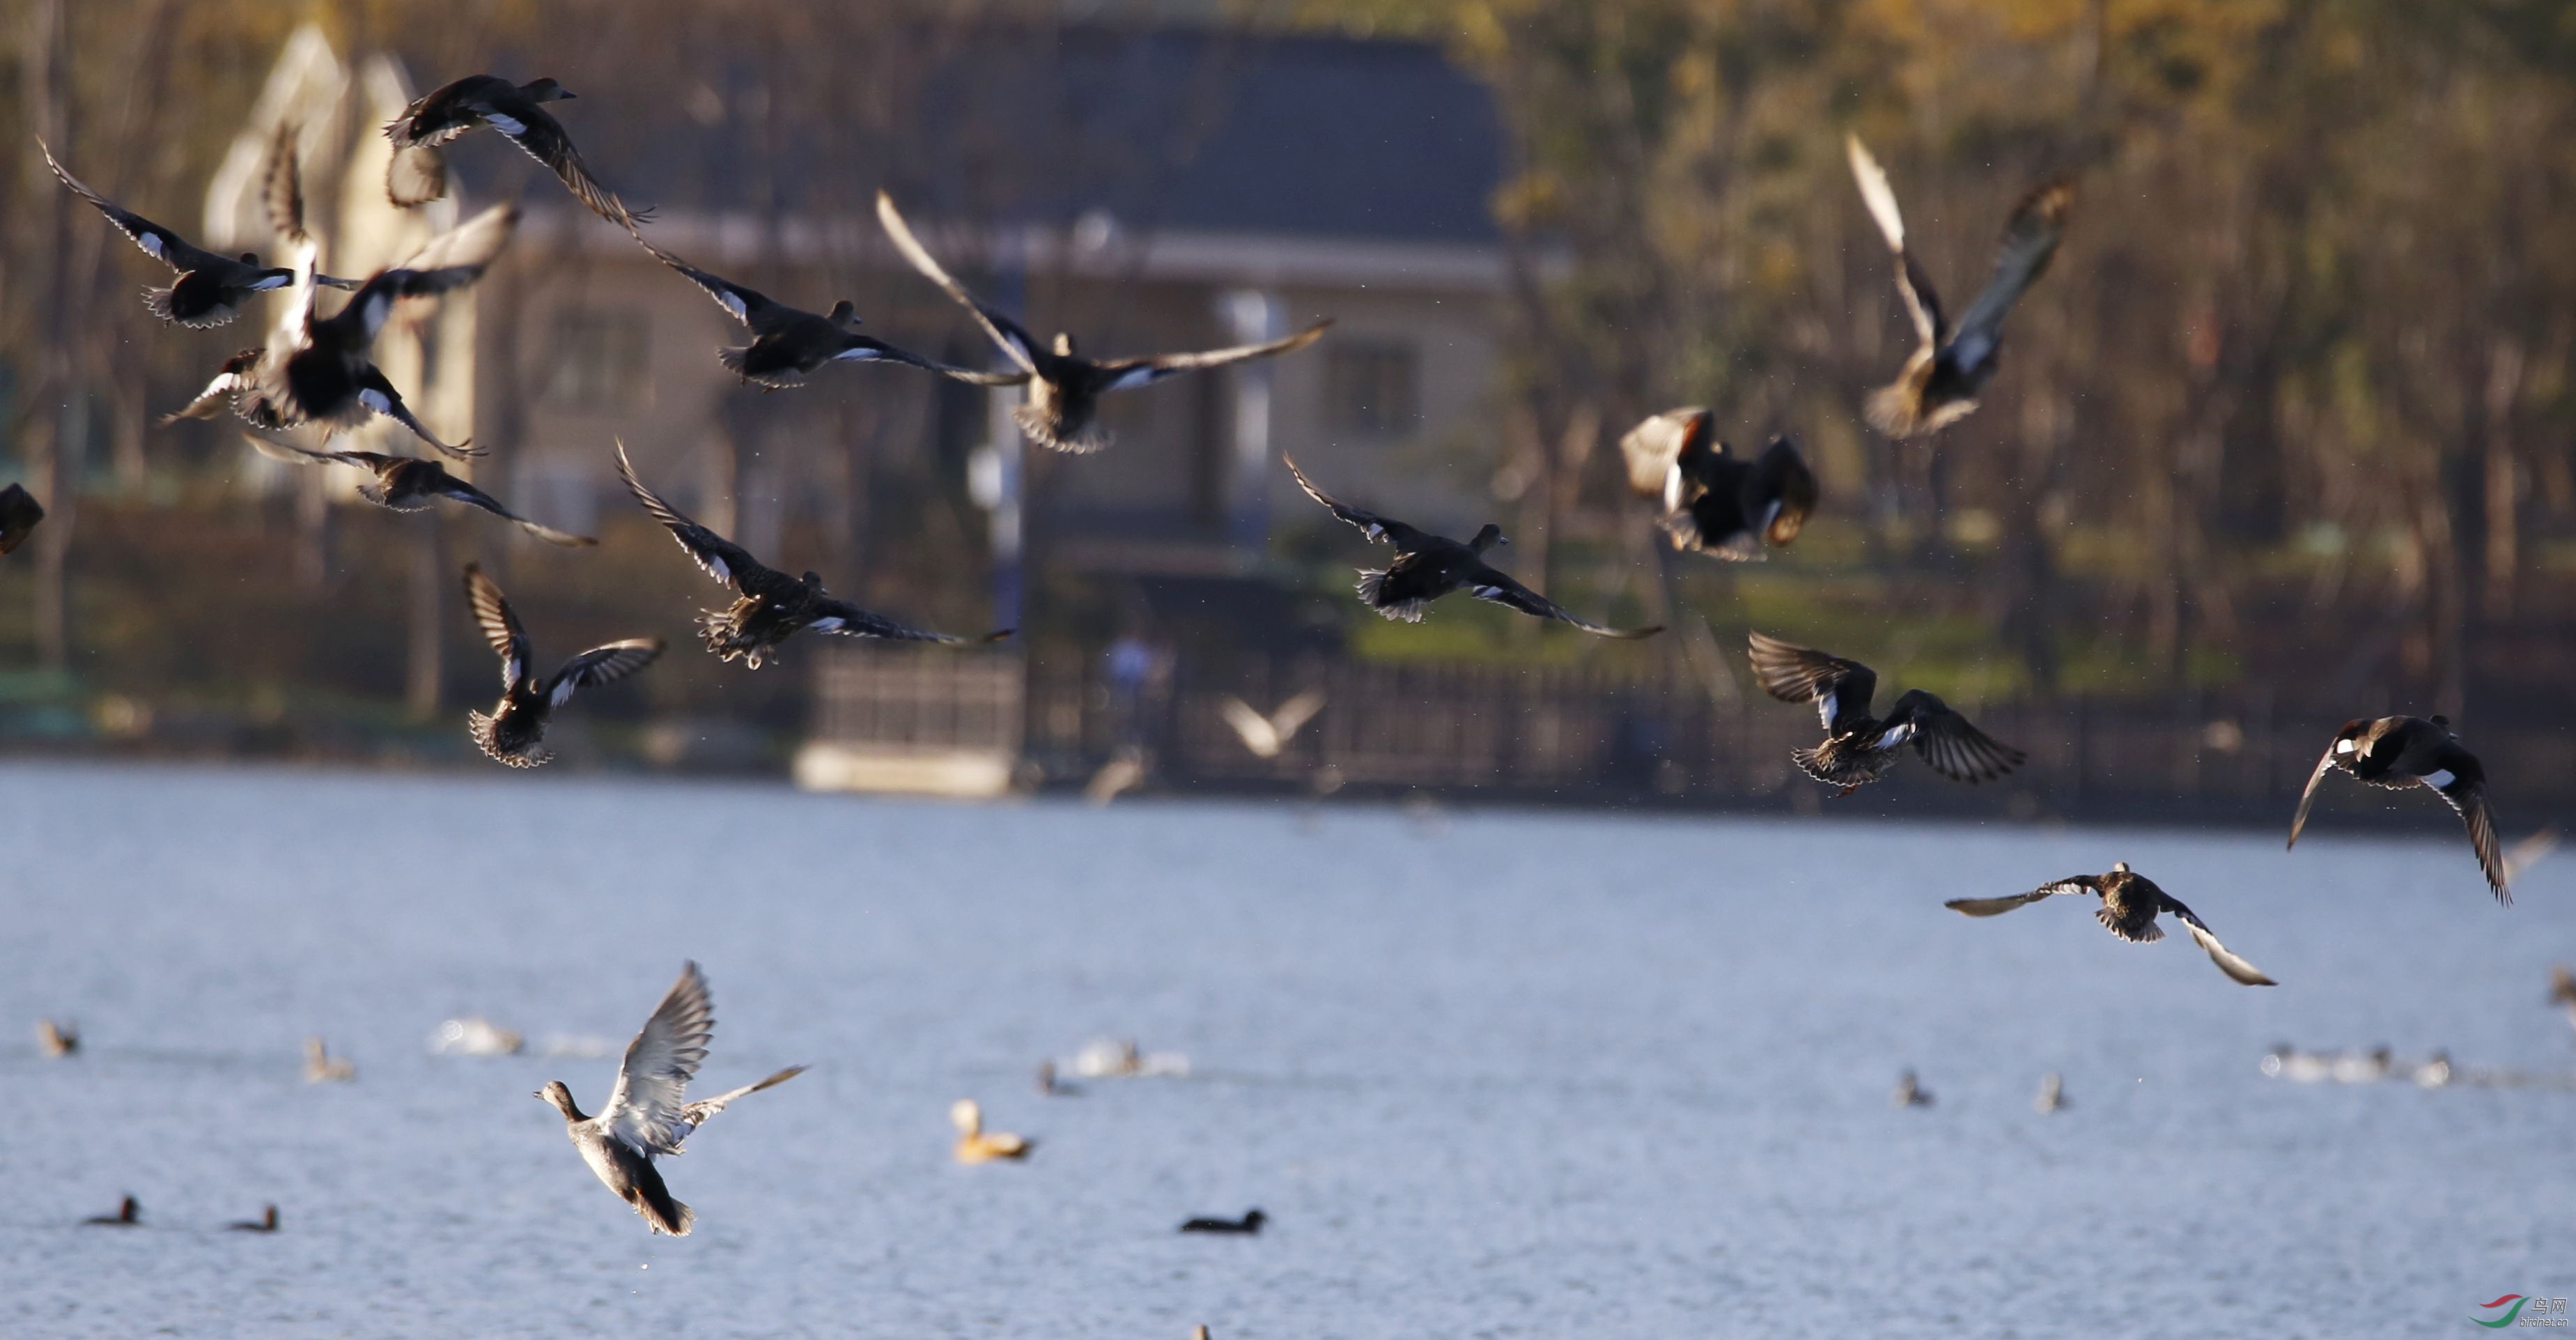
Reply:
x=1505, y=1074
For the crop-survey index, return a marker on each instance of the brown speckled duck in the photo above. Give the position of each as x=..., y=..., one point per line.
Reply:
x=515, y=733
x=1858, y=747
x=2130, y=904
x=1715, y=502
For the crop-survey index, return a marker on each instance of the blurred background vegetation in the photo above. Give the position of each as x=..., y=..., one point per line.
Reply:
x=2292, y=411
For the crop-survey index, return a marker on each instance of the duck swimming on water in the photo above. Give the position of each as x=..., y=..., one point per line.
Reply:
x=977, y=1145
x=129, y=1214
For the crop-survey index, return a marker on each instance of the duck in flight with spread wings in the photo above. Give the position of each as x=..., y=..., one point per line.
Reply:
x=2130, y=904
x=1429, y=566
x=211, y=290
x=1715, y=502
x=2402, y=752
x=315, y=369
x=1859, y=748
x=417, y=173
x=515, y=733
x=408, y=483
x=772, y=606
x=789, y=344
x=1064, y=387
x=1952, y=363
x=648, y=1114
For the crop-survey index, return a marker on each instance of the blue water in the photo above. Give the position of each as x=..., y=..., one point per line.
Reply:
x=1502, y=1074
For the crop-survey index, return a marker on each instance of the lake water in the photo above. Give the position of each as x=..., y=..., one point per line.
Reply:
x=1506, y=1074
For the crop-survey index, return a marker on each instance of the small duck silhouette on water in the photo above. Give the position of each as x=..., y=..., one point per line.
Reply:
x=977, y=1145
x=1910, y=1092
x=321, y=1067
x=265, y=1223
x=2052, y=1094
x=1250, y=1223
x=129, y=1214
x=57, y=1038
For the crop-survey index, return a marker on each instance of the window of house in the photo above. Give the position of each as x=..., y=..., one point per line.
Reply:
x=601, y=357
x=1372, y=387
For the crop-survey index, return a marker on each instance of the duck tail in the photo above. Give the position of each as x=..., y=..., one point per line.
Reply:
x=1814, y=762
x=1047, y=430
x=662, y=1212
x=1372, y=589
x=1893, y=409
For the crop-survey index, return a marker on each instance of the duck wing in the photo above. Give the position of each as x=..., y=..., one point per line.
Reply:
x=1384, y=530
x=747, y=305
x=1780, y=491
x=157, y=242
x=500, y=624
x=1022, y=348
x=1254, y=729
x=2461, y=781
x=1921, y=302
x=644, y=1110
x=451, y=260
x=848, y=620
x=1657, y=445
x=722, y=559
x=2030, y=239
x=1487, y=583
x=1296, y=712
x=230, y=380
x=1991, y=907
x=542, y=138
x=1127, y=373
x=1955, y=748
x=378, y=394
x=2227, y=961
x=601, y=665
x=1840, y=688
x=457, y=489
x=2308, y=793
x=696, y=1113
x=865, y=349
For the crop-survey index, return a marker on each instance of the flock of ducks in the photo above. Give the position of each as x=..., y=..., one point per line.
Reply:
x=314, y=372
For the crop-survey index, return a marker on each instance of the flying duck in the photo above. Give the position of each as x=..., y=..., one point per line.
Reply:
x=408, y=483
x=1064, y=387
x=788, y=344
x=2399, y=752
x=977, y=1145
x=321, y=1067
x=128, y=1214
x=1952, y=363
x=645, y=1114
x=1858, y=747
x=515, y=732
x=1428, y=566
x=2130, y=902
x=211, y=290
x=315, y=369
x=57, y=1038
x=1717, y=503
x=1910, y=1092
x=773, y=605
x=1266, y=736
x=1250, y=1223
x=265, y=1223
x=19, y=513
x=2051, y=1096
x=418, y=172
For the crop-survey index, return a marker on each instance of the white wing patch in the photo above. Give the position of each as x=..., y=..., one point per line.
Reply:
x=375, y=400
x=1131, y=378
x=273, y=281
x=1487, y=592
x=2439, y=778
x=1769, y=515
x=151, y=244
x=733, y=303
x=1896, y=736
x=830, y=623
x=1827, y=708
x=1673, y=485
x=507, y=125
x=562, y=692
x=857, y=354
x=2345, y=746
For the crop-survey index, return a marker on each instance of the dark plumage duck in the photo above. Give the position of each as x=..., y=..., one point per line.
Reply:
x=1858, y=747
x=1250, y=1223
x=410, y=483
x=2399, y=752
x=265, y=1223
x=315, y=369
x=2130, y=904
x=1715, y=502
x=1064, y=387
x=211, y=290
x=129, y=1214
x=647, y=1113
x=1428, y=566
x=19, y=513
x=515, y=732
x=418, y=172
x=1941, y=379
x=773, y=606
x=789, y=344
